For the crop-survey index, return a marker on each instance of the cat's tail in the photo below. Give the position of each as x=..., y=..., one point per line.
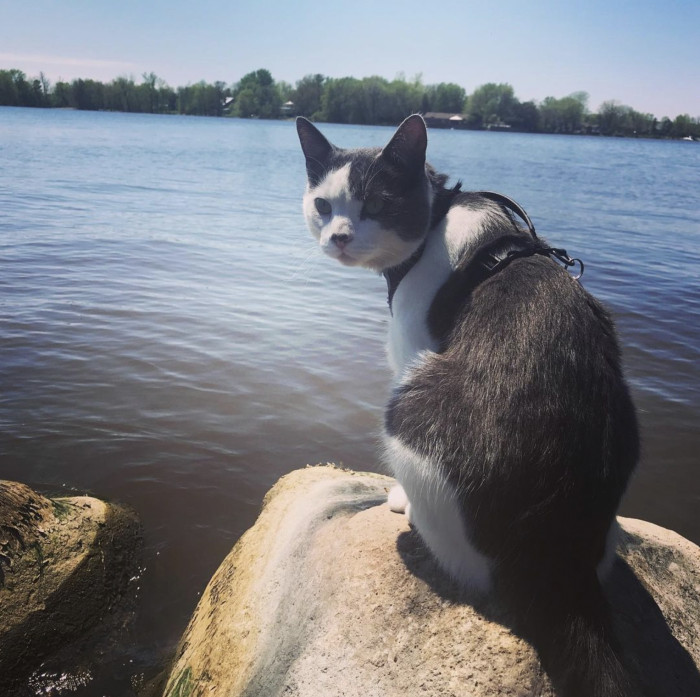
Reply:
x=565, y=616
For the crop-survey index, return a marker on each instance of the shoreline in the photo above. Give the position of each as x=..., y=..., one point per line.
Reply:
x=368, y=125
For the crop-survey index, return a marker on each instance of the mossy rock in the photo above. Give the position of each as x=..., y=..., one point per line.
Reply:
x=64, y=565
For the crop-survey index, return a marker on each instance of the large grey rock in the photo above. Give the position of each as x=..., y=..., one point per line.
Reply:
x=64, y=562
x=331, y=594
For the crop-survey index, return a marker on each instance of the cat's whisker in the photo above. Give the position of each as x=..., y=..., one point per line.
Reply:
x=306, y=262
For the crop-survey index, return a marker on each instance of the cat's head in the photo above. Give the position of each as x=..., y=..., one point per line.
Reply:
x=368, y=207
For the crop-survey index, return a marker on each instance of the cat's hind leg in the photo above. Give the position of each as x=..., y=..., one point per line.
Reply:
x=435, y=511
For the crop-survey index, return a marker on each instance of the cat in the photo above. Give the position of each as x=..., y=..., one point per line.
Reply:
x=510, y=429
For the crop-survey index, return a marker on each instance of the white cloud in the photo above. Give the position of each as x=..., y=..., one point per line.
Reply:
x=61, y=61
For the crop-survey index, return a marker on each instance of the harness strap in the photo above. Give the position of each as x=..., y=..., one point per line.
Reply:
x=491, y=259
x=395, y=274
x=557, y=253
x=511, y=205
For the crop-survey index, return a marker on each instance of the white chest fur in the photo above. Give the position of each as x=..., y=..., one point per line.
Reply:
x=408, y=330
x=434, y=505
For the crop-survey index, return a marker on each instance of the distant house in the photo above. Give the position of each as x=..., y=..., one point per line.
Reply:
x=288, y=109
x=438, y=119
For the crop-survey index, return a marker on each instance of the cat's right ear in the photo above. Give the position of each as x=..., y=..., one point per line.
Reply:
x=316, y=147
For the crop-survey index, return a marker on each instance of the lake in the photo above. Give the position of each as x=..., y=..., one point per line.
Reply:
x=172, y=338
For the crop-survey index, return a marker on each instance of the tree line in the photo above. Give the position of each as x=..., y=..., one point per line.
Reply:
x=369, y=100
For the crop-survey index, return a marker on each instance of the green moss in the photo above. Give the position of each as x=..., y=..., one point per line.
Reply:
x=62, y=508
x=182, y=686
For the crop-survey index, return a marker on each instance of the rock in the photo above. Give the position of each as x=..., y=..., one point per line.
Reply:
x=64, y=563
x=331, y=594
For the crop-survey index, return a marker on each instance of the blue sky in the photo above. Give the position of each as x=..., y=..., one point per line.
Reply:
x=645, y=53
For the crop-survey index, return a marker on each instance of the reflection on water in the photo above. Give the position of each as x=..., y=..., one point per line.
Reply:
x=172, y=339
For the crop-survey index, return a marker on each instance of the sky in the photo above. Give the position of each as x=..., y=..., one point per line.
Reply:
x=642, y=53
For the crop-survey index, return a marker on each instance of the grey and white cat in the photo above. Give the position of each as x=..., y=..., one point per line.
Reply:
x=510, y=428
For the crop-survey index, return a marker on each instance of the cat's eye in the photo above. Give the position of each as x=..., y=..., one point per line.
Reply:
x=322, y=206
x=374, y=205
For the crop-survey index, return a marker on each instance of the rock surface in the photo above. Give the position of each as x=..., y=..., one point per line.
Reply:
x=63, y=563
x=331, y=594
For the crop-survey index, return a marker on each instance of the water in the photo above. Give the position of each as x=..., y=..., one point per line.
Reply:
x=171, y=338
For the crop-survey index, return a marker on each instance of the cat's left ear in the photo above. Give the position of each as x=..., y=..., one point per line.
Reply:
x=407, y=147
x=316, y=147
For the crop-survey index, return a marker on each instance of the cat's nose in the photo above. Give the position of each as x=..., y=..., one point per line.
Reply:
x=341, y=239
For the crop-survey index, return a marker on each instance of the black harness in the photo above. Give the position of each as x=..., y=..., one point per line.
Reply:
x=492, y=258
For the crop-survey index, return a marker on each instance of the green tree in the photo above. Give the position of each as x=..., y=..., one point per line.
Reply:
x=210, y=98
x=9, y=95
x=307, y=94
x=404, y=98
x=565, y=115
x=665, y=127
x=446, y=97
x=149, y=90
x=121, y=95
x=491, y=103
x=15, y=90
x=639, y=124
x=285, y=90
x=611, y=118
x=87, y=95
x=167, y=98
x=202, y=99
x=61, y=96
x=341, y=101
x=256, y=95
x=370, y=100
x=684, y=125
x=526, y=117
x=375, y=105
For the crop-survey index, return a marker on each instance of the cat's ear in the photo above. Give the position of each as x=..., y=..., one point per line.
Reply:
x=316, y=147
x=407, y=147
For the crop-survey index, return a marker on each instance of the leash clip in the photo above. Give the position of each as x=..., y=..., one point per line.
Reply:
x=562, y=256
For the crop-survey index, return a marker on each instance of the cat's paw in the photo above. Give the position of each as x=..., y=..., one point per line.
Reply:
x=397, y=499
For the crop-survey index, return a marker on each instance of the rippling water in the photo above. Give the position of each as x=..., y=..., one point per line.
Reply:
x=171, y=338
